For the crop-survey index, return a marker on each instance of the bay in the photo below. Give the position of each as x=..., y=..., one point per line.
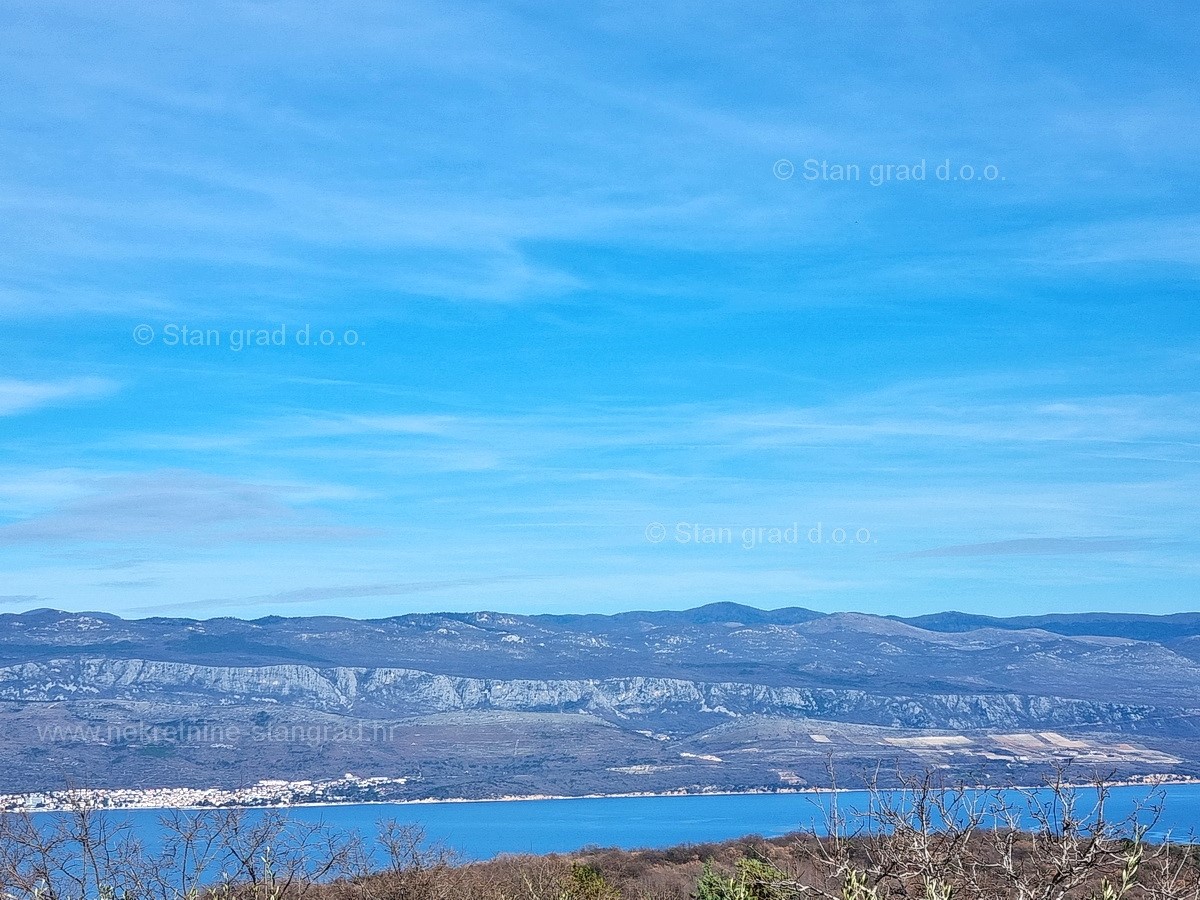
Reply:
x=484, y=829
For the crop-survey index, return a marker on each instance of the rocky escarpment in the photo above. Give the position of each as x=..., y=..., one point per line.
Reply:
x=488, y=704
x=402, y=693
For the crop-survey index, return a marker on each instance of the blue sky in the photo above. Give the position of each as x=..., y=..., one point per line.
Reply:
x=566, y=277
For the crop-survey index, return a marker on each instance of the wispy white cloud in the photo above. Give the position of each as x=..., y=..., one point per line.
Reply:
x=1052, y=546
x=332, y=592
x=22, y=600
x=1171, y=239
x=173, y=506
x=17, y=397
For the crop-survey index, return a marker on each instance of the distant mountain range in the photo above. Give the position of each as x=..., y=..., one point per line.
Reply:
x=483, y=704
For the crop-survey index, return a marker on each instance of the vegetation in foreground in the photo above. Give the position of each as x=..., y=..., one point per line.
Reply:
x=926, y=841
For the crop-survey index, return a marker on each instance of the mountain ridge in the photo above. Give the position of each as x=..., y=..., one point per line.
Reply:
x=484, y=704
x=1137, y=625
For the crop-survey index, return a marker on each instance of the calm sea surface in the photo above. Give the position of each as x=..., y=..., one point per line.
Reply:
x=484, y=829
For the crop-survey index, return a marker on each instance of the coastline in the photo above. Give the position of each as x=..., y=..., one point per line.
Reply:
x=1150, y=783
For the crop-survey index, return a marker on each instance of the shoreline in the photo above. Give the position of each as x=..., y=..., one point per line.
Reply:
x=1167, y=781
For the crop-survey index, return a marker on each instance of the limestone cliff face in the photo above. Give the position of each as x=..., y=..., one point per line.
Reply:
x=402, y=693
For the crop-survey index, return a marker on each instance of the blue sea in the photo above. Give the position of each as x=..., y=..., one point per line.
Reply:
x=480, y=830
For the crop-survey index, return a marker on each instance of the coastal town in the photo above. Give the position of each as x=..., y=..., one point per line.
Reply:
x=269, y=792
